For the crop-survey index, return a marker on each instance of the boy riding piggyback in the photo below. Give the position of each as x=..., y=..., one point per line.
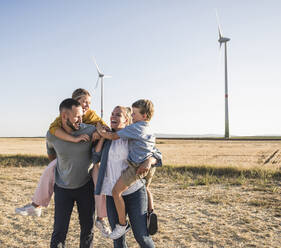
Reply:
x=141, y=144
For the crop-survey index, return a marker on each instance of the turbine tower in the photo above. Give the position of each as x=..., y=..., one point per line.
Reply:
x=101, y=76
x=224, y=40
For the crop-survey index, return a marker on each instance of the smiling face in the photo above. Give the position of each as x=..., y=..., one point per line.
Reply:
x=118, y=118
x=137, y=116
x=85, y=102
x=71, y=119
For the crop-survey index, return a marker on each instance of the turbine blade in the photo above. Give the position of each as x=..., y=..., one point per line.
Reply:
x=219, y=26
x=220, y=35
x=98, y=69
x=97, y=83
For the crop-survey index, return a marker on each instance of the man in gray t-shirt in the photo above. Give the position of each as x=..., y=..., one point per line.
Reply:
x=72, y=179
x=74, y=159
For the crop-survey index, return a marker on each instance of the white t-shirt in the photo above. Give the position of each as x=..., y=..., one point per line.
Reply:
x=116, y=163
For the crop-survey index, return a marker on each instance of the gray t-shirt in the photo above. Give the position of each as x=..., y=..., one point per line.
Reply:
x=141, y=141
x=74, y=159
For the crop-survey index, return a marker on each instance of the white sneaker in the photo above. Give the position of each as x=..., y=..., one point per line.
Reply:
x=29, y=209
x=102, y=226
x=119, y=231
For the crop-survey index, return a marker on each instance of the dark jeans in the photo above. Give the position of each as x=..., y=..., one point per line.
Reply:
x=136, y=208
x=64, y=202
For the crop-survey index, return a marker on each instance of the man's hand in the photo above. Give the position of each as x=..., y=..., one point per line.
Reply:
x=82, y=137
x=95, y=136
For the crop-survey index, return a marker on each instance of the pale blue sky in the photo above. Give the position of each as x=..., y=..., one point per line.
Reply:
x=163, y=50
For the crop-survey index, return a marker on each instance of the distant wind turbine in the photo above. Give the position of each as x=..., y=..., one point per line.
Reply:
x=224, y=40
x=101, y=76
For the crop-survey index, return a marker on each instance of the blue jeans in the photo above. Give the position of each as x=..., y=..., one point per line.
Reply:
x=136, y=208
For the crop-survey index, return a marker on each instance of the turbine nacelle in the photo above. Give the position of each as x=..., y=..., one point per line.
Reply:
x=223, y=40
x=101, y=75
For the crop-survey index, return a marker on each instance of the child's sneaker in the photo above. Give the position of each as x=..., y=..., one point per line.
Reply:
x=29, y=209
x=152, y=224
x=102, y=226
x=119, y=231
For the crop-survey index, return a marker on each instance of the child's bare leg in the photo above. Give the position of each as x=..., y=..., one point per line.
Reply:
x=150, y=200
x=148, y=179
x=99, y=199
x=117, y=191
x=100, y=202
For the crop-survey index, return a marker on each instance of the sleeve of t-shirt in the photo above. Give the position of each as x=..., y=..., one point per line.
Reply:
x=49, y=145
x=129, y=132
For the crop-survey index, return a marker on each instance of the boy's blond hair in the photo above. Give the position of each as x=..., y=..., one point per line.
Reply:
x=146, y=107
x=78, y=93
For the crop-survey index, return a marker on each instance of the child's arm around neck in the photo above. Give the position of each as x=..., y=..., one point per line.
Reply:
x=61, y=134
x=56, y=130
x=106, y=134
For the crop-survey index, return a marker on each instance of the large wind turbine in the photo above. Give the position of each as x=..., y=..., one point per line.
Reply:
x=101, y=76
x=224, y=40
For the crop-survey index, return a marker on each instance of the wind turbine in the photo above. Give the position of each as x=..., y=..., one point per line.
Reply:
x=224, y=40
x=101, y=76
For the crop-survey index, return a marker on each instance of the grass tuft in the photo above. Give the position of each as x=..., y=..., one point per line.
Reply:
x=207, y=175
x=23, y=160
x=227, y=172
x=186, y=175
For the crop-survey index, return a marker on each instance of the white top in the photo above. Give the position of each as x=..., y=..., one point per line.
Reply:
x=116, y=163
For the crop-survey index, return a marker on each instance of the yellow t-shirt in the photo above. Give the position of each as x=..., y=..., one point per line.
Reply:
x=90, y=117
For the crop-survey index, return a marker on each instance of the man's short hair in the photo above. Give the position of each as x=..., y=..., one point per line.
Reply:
x=68, y=103
x=78, y=93
x=145, y=106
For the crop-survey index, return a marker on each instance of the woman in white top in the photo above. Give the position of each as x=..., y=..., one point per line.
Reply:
x=113, y=157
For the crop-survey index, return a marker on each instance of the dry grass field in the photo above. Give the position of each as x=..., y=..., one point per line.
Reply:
x=194, y=209
x=182, y=152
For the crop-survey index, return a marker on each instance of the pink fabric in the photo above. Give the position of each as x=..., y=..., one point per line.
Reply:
x=100, y=200
x=45, y=187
